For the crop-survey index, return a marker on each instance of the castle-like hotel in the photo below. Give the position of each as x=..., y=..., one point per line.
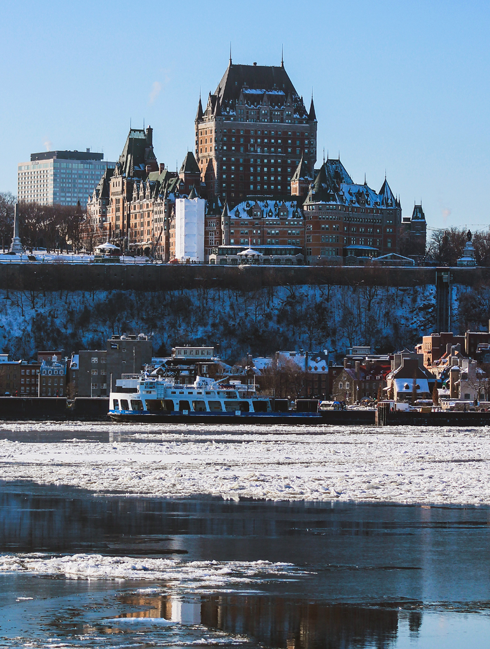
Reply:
x=251, y=188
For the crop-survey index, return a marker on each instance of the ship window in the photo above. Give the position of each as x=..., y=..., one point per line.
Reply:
x=231, y=406
x=215, y=406
x=207, y=392
x=115, y=404
x=199, y=406
x=243, y=406
x=152, y=405
x=124, y=404
x=260, y=406
x=169, y=405
x=136, y=404
x=182, y=392
x=184, y=405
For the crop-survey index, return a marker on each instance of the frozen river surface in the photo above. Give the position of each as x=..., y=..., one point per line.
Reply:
x=403, y=465
x=225, y=536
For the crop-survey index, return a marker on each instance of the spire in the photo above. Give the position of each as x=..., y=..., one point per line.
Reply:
x=282, y=56
x=301, y=172
x=193, y=193
x=231, y=62
x=224, y=213
x=312, y=113
x=189, y=166
x=199, y=110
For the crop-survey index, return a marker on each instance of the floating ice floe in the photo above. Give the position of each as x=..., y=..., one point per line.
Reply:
x=404, y=464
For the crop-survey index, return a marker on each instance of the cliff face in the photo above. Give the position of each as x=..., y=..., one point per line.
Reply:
x=238, y=321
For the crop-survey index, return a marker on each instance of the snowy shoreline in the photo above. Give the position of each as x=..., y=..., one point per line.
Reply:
x=400, y=464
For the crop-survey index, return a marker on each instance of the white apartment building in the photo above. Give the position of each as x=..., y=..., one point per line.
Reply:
x=60, y=177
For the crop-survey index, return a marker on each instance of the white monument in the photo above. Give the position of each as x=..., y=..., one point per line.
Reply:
x=468, y=258
x=16, y=245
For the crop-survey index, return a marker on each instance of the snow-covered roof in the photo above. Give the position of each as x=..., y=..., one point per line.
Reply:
x=261, y=362
x=107, y=246
x=317, y=362
x=249, y=252
x=267, y=209
x=405, y=386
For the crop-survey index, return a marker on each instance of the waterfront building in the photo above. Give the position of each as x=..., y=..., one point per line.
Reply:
x=253, y=133
x=188, y=362
x=91, y=370
x=18, y=378
x=60, y=177
x=52, y=378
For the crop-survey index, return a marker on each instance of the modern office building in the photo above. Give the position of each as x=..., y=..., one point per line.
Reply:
x=60, y=177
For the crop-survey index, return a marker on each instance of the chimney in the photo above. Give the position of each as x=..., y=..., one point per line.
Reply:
x=149, y=136
x=358, y=370
x=148, y=169
x=161, y=167
x=346, y=363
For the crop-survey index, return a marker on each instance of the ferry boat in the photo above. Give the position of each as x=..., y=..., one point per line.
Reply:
x=153, y=398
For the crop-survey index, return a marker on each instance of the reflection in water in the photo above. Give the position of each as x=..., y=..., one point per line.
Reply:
x=278, y=621
x=369, y=570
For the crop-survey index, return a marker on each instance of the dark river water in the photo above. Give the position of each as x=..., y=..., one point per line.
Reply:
x=364, y=575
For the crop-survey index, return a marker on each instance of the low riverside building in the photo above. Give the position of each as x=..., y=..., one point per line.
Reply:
x=360, y=380
x=91, y=370
x=408, y=380
x=188, y=362
x=18, y=378
x=52, y=378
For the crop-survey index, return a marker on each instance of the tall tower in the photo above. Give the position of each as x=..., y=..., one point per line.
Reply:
x=253, y=133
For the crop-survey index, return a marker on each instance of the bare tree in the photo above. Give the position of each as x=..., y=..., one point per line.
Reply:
x=7, y=202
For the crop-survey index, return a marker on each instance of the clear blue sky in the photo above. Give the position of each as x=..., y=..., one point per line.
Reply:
x=401, y=87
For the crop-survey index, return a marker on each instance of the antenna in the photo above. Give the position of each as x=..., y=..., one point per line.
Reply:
x=323, y=155
x=230, y=54
x=282, y=55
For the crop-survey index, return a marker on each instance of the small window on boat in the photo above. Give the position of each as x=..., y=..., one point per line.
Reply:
x=199, y=392
x=115, y=404
x=231, y=406
x=260, y=406
x=207, y=392
x=199, y=406
x=154, y=405
x=169, y=405
x=124, y=404
x=173, y=392
x=182, y=392
x=184, y=405
x=136, y=404
x=215, y=406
